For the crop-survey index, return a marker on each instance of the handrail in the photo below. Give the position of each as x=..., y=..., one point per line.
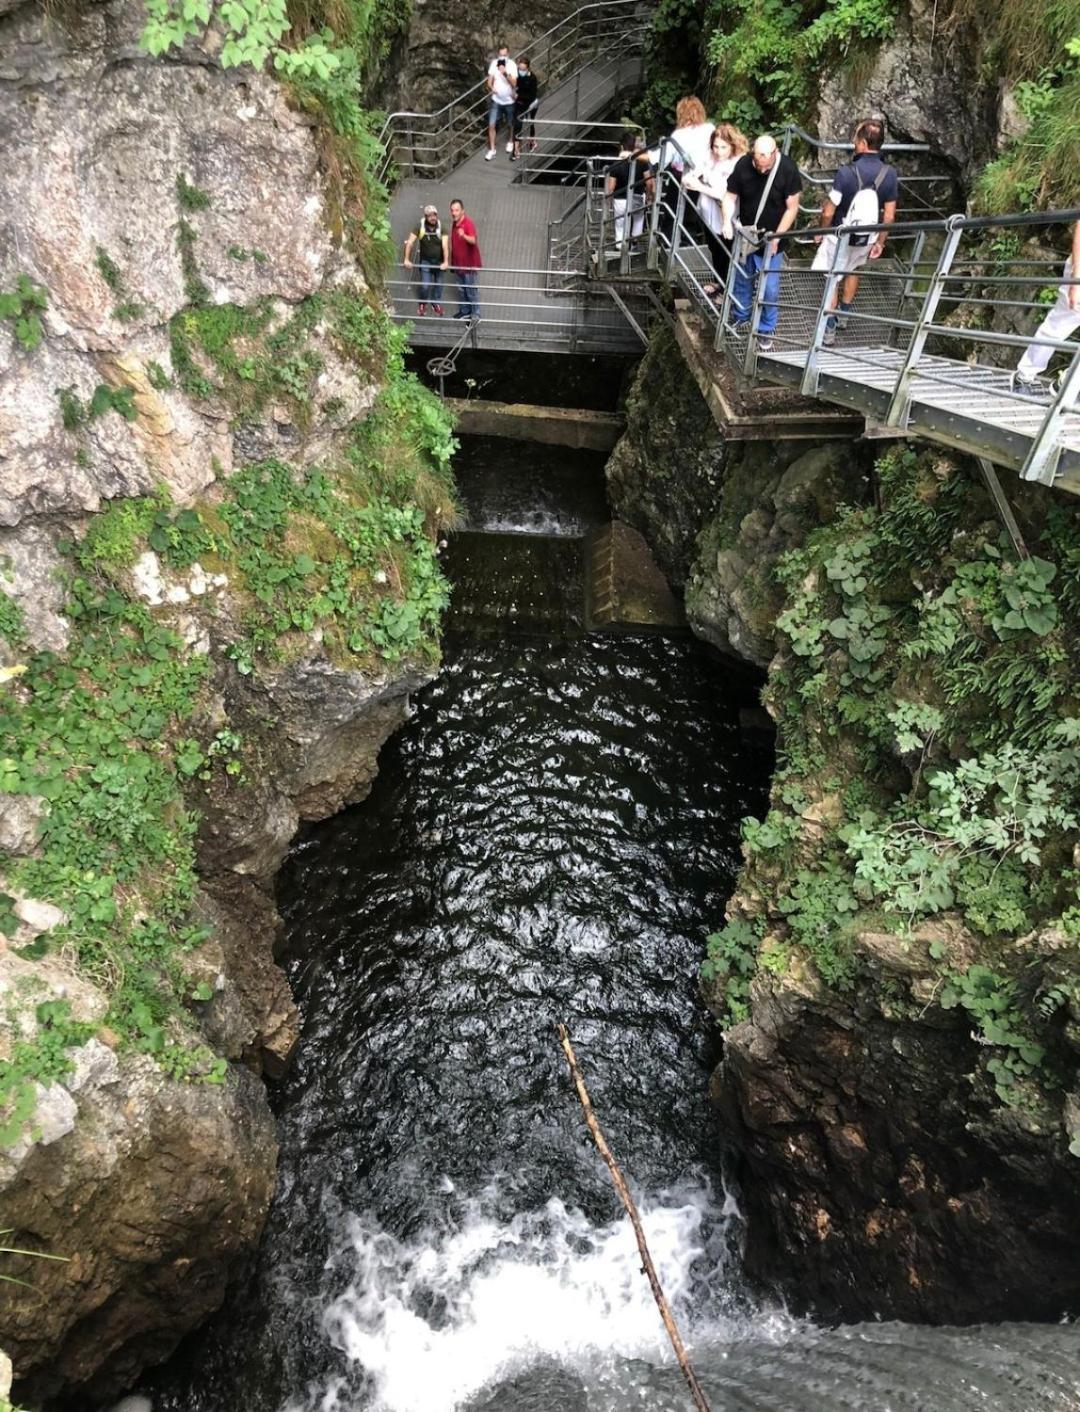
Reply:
x=794, y=130
x=901, y=355
x=530, y=44
x=595, y=29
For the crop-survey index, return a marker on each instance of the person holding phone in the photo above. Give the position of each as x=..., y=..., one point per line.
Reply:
x=502, y=76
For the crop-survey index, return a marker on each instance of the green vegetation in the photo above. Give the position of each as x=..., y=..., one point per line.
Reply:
x=128, y=308
x=1041, y=169
x=767, y=56
x=190, y=197
x=23, y=306
x=12, y=623
x=928, y=704
x=74, y=414
x=329, y=52
x=110, y=733
x=757, y=62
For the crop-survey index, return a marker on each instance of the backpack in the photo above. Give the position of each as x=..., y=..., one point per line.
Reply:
x=865, y=208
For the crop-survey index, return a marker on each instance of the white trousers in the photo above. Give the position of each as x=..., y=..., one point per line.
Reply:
x=1059, y=323
x=634, y=222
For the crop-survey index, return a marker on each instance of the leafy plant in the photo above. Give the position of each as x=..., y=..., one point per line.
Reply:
x=23, y=306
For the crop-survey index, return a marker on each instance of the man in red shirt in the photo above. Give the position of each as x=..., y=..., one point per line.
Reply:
x=464, y=261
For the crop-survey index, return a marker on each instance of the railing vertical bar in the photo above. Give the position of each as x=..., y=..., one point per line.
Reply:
x=899, y=403
x=1041, y=462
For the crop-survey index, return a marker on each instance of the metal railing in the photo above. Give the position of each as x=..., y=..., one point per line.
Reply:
x=930, y=343
x=430, y=145
x=519, y=309
x=559, y=152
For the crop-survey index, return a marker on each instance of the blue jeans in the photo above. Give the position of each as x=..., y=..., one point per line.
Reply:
x=746, y=278
x=500, y=113
x=430, y=283
x=468, y=300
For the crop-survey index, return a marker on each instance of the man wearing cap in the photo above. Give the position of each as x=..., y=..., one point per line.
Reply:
x=433, y=257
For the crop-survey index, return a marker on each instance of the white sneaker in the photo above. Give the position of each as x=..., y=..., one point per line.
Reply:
x=509, y=146
x=489, y=154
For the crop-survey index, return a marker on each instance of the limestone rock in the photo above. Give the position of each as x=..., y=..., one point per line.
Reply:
x=154, y=1201
x=20, y=815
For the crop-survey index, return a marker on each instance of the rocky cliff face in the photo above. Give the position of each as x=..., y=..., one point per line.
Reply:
x=191, y=313
x=899, y=1078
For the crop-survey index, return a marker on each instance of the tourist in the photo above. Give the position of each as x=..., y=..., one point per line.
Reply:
x=1062, y=320
x=433, y=257
x=726, y=146
x=692, y=131
x=464, y=261
x=864, y=193
x=502, y=85
x=629, y=186
x=764, y=189
x=526, y=103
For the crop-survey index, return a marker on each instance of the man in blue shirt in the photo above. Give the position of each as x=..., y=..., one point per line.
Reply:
x=864, y=192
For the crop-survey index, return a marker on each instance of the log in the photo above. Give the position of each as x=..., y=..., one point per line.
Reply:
x=647, y=1266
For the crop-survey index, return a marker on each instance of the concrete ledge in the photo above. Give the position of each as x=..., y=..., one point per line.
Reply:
x=755, y=413
x=522, y=421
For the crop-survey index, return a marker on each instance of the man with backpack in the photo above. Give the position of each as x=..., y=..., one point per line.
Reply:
x=432, y=257
x=864, y=193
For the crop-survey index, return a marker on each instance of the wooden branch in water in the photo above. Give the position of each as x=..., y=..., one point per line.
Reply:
x=647, y=1266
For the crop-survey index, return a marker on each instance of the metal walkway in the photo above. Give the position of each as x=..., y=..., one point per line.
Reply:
x=585, y=64
x=930, y=345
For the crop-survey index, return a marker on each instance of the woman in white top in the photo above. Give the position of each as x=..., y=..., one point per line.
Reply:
x=692, y=132
x=726, y=146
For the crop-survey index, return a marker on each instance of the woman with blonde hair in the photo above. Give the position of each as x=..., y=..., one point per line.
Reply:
x=726, y=145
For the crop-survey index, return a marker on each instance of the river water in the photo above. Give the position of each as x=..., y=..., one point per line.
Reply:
x=550, y=839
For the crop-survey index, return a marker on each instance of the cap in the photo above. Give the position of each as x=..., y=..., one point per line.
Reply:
x=431, y=210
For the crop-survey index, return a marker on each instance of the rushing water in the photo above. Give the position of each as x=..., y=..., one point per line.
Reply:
x=549, y=839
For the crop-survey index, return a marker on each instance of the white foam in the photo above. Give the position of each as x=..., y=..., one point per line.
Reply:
x=434, y=1321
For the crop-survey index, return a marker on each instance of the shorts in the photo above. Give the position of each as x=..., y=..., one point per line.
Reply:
x=847, y=261
x=498, y=112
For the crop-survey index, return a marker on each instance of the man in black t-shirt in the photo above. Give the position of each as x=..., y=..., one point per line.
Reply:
x=629, y=185
x=432, y=257
x=764, y=189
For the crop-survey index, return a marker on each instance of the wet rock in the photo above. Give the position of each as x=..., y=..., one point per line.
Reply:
x=877, y=1176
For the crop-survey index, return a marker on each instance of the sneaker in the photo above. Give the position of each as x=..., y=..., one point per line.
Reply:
x=1030, y=387
x=438, y=310
x=489, y=154
x=828, y=338
x=509, y=146
x=421, y=309
x=532, y=144
x=514, y=157
x=461, y=314
x=764, y=345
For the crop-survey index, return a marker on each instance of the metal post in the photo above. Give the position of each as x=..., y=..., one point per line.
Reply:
x=739, y=248
x=1042, y=459
x=899, y=403
x=916, y=256
x=652, y=258
x=1004, y=509
x=750, y=361
x=673, y=250
x=812, y=370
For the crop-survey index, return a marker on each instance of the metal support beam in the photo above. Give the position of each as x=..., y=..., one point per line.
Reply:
x=1004, y=509
x=620, y=304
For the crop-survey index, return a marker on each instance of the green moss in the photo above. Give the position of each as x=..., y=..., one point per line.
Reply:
x=190, y=197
